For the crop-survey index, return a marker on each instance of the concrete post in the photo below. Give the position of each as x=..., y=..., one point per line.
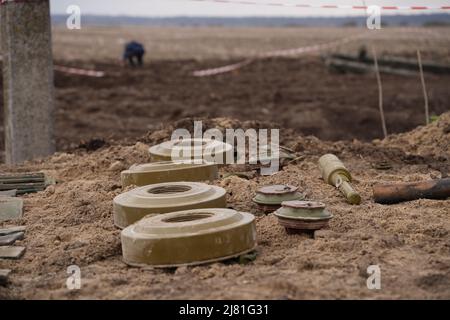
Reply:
x=27, y=79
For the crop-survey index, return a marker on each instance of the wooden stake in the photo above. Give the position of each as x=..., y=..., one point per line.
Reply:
x=380, y=93
x=425, y=95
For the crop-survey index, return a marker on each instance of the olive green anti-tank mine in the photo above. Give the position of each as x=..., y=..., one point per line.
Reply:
x=135, y=204
x=302, y=215
x=189, y=237
x=269, y=198
x=168, y=171
x=207, y=149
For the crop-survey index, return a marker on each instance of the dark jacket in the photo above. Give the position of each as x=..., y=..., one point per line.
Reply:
x=133, y=49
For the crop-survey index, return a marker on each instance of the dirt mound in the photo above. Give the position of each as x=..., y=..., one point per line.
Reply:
x=72, y=223
x=433, y=139
x=301, y=94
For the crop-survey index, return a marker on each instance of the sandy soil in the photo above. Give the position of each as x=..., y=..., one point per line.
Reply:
x=105, y=125
x=71, y=223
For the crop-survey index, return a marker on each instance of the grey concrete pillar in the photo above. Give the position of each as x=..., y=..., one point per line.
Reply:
x=27, y=79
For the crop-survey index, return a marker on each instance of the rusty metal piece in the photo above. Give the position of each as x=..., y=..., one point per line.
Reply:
x=135, y=204
x=168, y=171
x=269, y=198
x=188, y=149
x=382, y=165
x=335, y=173
x=303, y=215
x=189, y=237
x=398, y=192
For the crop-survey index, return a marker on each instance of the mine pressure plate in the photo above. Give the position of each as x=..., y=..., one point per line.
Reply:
x=269, y=198
x=189, y=237
x=187, y=149
x=135, y=204
x=303, y=215
x=168, y=171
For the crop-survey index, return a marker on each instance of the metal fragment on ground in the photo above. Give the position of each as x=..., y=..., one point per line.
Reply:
x=24, y=182
x=189, y=237
x=187, y=149
x=11, y=252
x=6, y=231
x=10, y=208
x=9, y=193
x=303, y=215
x=11, y=238
x=135, y=204
x=168, y=171
x=269, y=198
x=4, y=274
x=438, y=189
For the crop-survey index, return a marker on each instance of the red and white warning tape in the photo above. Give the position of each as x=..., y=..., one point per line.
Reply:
x=277, y=53
x=325, y=6
x=81, y=72
x=224, y=69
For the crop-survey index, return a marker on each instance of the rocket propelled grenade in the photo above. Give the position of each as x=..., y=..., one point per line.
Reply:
x=335, y=173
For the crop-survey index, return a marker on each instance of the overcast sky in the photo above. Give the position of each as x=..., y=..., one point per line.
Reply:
x=191, y=8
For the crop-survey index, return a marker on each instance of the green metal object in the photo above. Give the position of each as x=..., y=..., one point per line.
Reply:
x=4, y=274
x=10, y=230
x=303, y=215
x=11, y=208
x=269, y=198
x=21, y=183
x=11, y=238
x=11, y=252
x=135, y=204
x=188, y=149
x=335, y=173
x=189, y=237
x=168, y=171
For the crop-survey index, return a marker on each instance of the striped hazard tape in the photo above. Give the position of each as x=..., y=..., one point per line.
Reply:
x=224, y=69
x=81, y=72
x=276, y=53
x=327, y=6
